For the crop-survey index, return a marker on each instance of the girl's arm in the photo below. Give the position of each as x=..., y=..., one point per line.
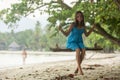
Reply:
x=66, y=33
x=89, y=32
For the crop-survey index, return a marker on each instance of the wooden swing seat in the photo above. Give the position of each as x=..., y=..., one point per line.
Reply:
x=69, y=50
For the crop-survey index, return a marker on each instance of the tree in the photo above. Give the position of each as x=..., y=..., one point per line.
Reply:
x=106, y=16
x=25, y=38
x=37, y=35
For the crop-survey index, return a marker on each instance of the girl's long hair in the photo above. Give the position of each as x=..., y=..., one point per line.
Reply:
x=76, y=21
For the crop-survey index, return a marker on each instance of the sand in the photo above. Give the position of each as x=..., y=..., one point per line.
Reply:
x=98, y=67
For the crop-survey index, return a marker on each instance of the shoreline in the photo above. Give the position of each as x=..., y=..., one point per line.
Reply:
x=99, y=67
x=89, y=55
x=50, y=52
x=37, y=53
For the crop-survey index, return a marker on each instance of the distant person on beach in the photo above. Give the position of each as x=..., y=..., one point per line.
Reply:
x=24, y=55
x=75, y=41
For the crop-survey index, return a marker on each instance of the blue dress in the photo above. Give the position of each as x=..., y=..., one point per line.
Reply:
x=75, y=40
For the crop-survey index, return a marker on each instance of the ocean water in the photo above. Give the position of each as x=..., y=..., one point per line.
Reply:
x=9, y=59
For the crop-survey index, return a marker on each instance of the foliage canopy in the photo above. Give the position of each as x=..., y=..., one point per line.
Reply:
x=104, y=13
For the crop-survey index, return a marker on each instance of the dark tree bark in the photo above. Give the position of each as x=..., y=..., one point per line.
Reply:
x=117, y=3
x=107, y=35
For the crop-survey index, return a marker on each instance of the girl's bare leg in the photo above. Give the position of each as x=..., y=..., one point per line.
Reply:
x=81, y=59
x=78, y=59
x=76, y=71
x=23, y=60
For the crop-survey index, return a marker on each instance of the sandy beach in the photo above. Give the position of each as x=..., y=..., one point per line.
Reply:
x=99, y=66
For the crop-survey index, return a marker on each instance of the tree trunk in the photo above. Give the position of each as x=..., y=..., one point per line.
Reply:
x=117, y=3
x=106, y=35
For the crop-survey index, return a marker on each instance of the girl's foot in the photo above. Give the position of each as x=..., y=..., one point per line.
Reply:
x=76, y=71
x=81, y=72
x=71, y=75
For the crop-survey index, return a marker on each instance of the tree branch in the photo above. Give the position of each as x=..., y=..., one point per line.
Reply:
x=63, y=5
x=117, y=3
x=77, y=3
x=106, y=35
x=36, y=9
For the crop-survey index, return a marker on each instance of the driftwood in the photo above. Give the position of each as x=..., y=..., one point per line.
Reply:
x=69, y=50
